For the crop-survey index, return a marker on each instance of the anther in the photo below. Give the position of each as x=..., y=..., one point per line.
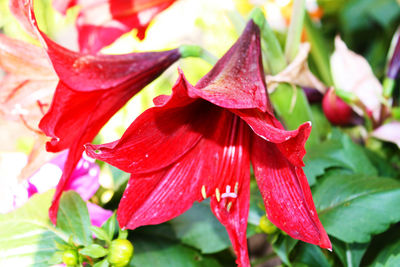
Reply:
x=229, y=206
x=203, y=191
x=228, y=193
x=236, y=188
x=218, y=195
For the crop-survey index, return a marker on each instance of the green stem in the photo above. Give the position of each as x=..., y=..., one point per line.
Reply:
x=274, y=56
x=197, y=51
x=319, y=51
x=295, y=29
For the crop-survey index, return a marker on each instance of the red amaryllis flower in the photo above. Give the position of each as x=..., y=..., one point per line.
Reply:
x=100, y=23
x=91, y=89
x=199, y=142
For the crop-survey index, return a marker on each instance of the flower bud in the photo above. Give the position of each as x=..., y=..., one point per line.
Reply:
x=120, y=253
x=335, y=109
x=70, y=257
x=267, y=226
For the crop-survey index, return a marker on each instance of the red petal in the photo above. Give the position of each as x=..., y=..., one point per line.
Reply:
x=235, y=172
x=237, y=80
x=286, y=193
x=265, y=125
x=100, y=23
x=160, y=135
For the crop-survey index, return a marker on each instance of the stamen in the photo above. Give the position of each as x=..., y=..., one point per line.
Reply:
x=236, y=188
x=203, y=191
x=229, y=206
x=218, y=194
x=228, y=193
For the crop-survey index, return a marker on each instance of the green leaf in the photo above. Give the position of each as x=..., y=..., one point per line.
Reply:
x=393, y=261
x=311, y=256
x=103, y=263
x=199, y=228
x=292, y=106
x=386, y=245
x=110, y=225
x=161, y=252
x=353, y=207
x=27, y=237
x=283, y=246
x=56, y=258
x=94, y=251
x=100, y=233
x=350, y=254
x=73, y=218
x=338, y=151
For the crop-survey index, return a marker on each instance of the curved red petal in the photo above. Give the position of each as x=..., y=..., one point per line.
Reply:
x=266, y=126
x=237, y=79
x=286, y=193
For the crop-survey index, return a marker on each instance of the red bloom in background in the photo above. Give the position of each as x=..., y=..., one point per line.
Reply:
x=199, y=142
x=90, y=91
x=100, y=23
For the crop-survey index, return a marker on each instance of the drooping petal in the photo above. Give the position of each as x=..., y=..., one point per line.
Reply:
x=100, y=23
x=266, y=126
x=237, y=79
x=286, y=193
x=234, y=176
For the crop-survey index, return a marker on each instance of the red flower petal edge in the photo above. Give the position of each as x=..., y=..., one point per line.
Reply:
x=100, y=23
x=207, y=153
x=91, y=89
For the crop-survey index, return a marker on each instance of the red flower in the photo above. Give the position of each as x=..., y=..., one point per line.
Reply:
x=100, y=23
x=90, y=91
x=199, y=142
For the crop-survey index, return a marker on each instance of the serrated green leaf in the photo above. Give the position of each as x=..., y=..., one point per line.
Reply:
x=338, y=151
x=73, y=218
x=161, y=252
x=353, y=207
x=100, y=233
x=94, y=251
x=387, y=245
x=199, y=228
x=27, y=237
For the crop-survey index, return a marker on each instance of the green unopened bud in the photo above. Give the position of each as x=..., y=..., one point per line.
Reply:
x=267, y=226
x=120, y=252
x=70, y=257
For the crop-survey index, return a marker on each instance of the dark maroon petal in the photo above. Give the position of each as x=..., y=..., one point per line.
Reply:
x=237, y=79
x=286, y=193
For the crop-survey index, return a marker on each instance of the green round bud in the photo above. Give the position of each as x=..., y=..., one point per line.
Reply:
x=70, y=257
x=267, y=226
x=120, y=252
